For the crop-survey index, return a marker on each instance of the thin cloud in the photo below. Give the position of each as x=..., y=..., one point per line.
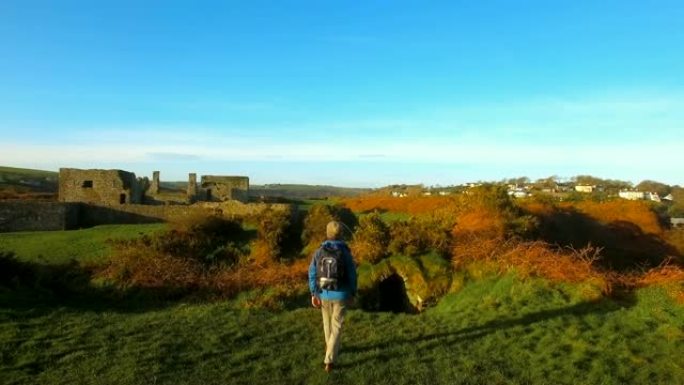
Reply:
x=173, y=157
x=623, y=155
x=610, y=133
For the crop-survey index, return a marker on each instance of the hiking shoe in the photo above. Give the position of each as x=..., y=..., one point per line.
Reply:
x=328, y=368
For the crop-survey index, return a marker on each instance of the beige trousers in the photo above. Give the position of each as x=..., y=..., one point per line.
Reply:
x=333, y=316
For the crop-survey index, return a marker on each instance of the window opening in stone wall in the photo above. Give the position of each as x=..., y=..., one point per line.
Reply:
x=87, y=184
x=122, y=198
x=209, y=194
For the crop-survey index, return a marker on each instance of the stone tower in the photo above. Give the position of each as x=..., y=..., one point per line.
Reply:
x=192, y=186
x=154, y=187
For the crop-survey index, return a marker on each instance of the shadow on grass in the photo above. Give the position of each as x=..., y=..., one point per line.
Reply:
x=429, y=341
x=29, y=287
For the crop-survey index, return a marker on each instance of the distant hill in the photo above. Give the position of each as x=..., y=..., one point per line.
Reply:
x=13, y=174
x=287, y=191
x=303, y=191
x=23, y=183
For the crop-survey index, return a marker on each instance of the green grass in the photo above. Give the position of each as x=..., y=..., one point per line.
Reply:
x=306, y=204
x=27, y=173
x=390, y=217
x=85, y=245
x=496, y=331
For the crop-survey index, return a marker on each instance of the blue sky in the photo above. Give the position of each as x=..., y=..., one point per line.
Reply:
x=346, y=93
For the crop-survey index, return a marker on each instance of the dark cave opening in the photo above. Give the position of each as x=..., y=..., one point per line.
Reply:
x=392, y=295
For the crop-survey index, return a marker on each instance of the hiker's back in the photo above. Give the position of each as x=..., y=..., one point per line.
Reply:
x=330, y=267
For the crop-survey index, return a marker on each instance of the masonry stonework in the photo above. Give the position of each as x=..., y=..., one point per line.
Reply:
x=192, y=187
x=154, y=186
x=96, y=197
x=112, y=187
x=223, y=188
x=38, y=216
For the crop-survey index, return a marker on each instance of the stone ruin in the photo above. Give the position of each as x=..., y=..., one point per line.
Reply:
x=223, y=188
x=116, y=187
x=96, y=197
x=99, y=186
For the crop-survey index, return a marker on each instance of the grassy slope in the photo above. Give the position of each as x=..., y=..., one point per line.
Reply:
x=494, y=331
x=20, y=180
x=28, y=173
x=86, y=245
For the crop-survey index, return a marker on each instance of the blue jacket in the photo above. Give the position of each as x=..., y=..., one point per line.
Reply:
x=347, y=289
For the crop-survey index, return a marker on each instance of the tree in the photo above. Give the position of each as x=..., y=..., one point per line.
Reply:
x=677, y=208
x=652, y=186
x=547, y=183
x=521, y=180
x=678, y=194
x=611, y=186
x=587, y=180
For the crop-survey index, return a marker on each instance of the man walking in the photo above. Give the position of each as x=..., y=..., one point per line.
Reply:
x=332, y=282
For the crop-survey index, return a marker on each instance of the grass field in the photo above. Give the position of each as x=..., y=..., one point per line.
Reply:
x=497, y=330
x=494, y=332
x=27, y=173
x=85, y=245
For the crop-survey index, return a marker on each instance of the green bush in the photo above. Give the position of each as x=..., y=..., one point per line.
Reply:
x=492, y=197
x=371, y=239
x=184, y=258
x=272, y=233
x=209, y=240
x=420, y=235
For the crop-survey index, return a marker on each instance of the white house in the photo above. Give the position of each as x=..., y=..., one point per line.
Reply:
x=632, y=195
x=584, y=188
x=518, y=193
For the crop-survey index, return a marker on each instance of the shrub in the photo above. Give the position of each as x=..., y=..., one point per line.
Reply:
x=482, y=223
x=488, y=211
x=316, y=220
x=412, y=205
x=669, y=276
x=490, y=197
x=629, y=232
x=419, y=235
x=537, y=259
x=182, y=259
x=209, y=240
x=371, y=239
x=675, y=237
x=272, y=228
x=133, y=267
